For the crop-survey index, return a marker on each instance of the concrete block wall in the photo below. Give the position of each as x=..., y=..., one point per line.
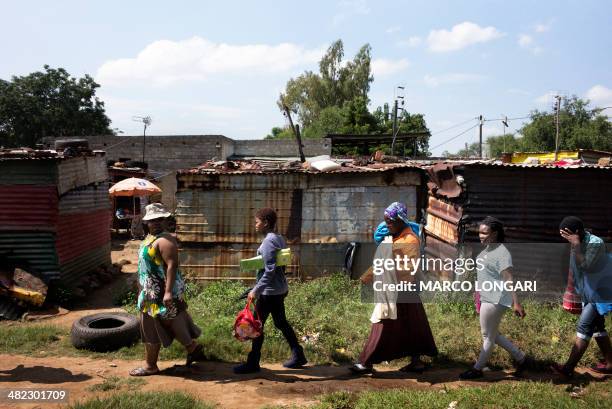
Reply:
x=171, y=152
x=281, y=147
x=164, y=153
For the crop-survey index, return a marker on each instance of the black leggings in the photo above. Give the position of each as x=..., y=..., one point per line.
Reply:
x=275, y=305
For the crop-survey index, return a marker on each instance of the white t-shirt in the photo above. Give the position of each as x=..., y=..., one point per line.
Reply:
x=495, y=258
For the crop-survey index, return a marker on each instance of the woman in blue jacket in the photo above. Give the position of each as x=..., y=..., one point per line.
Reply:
x=270, y=291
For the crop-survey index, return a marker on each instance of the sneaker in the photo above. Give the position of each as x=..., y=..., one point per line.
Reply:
x=562, y=370
x=471, y=374
x=519, y=367
x=298, y=359
x=360, y=369
x=246, y=368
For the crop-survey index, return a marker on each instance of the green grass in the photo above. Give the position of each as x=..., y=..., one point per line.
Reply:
x=113, y=383
x=30, y=339
x=329, y=308
x=500, y=396
x=139, y=400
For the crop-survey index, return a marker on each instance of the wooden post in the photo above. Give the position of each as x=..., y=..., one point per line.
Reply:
x=295, y=129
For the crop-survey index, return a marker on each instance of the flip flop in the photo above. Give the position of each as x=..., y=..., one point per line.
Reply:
x=411, y=367
x=561, y=370
x=602, y=368
x=143, y=372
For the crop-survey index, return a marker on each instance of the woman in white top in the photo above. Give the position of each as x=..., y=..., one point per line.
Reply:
x=497, y=268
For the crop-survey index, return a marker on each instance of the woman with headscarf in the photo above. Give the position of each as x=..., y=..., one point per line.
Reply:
x=591, y=268
x=496, y=268
x=161, y=300
x=398, y=330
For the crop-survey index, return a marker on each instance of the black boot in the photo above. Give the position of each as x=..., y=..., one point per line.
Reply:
x=298, y=359
x=246, y=368
x=250, y=366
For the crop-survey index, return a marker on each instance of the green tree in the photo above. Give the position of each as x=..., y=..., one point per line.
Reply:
x=579, y=128
x=49, y=103
x=335, y=84
x=503, y=143
x=473, y=151
x=280, y=133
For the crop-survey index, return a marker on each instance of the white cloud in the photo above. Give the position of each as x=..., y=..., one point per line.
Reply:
x=461, y=36
x=393, y=29
x=599, y=96
x=348, y=8
x=543, y=27
x=518, y=91
x=382, y=66
x=546, y=100
x=413, y=41
x=452, y=78
x=166, y=62
x=525, y=40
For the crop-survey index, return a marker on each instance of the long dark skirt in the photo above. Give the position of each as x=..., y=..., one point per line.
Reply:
x=408, y=335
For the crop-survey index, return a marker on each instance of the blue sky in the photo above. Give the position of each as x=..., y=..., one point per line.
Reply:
x=200, y=67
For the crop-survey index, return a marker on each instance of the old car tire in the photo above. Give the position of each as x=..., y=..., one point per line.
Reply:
x=107, y=331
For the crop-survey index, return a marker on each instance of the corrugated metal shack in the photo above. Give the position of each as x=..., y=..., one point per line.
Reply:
x=319, y=213
x=531, y=201
x=55, y=213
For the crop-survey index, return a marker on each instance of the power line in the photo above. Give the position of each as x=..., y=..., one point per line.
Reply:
x=452, y=127
x=509, y=119
x=454, y=137
x=127, y=138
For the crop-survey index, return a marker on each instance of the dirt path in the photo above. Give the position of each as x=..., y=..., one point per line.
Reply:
x=214, y=381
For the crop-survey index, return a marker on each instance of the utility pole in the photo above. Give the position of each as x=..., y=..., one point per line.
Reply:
x=394, y=131
x=146, y=120
x=295, y=129
x=395, y=108
x=505, y=125
x=557, y=108
x=467, y=152
x=481, y=121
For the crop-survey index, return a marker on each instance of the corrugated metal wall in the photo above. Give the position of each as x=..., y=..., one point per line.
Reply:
x=344, y=214
x=531, y=202
x=53, y=216
x=73, y=271
x=28, y=172
x=227, y=216
x=83, y=231
x=80, y=171
x=35, y=248
x=85, y=199
x=319, y=214
x=28, y=207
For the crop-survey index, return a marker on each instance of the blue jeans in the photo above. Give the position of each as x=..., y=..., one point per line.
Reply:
x=591, y=323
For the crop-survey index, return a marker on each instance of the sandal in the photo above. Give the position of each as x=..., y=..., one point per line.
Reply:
x=602, y=368
x=562, y=370
x=143, y=372
x=359, y=369
x=196, y=355
x=414, y=367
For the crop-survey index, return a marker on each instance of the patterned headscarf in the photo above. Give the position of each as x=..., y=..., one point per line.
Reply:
x=397, y=210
